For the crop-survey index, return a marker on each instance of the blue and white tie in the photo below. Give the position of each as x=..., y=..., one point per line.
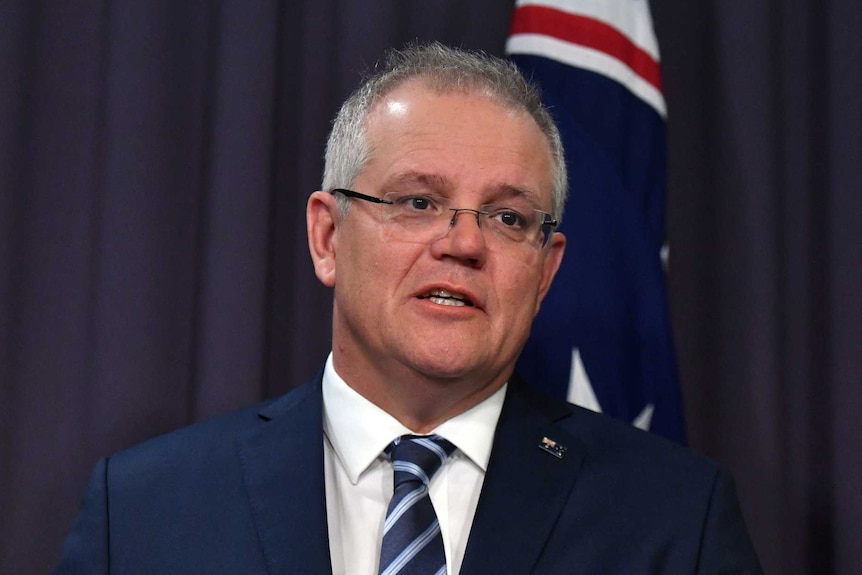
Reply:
x=412, y=544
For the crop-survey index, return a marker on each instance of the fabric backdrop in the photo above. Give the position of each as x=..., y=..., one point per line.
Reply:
x=155, y=158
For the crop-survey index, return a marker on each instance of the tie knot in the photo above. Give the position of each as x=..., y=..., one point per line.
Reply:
x=418, y=457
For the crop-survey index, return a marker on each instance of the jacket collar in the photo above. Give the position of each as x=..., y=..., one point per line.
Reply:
x=282, y=463
x=526, y=486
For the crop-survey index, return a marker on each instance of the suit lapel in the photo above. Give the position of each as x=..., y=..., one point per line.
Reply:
x=524, y=491
x=282, y=463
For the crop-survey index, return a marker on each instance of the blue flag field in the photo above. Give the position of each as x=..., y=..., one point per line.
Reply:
x=603, y=338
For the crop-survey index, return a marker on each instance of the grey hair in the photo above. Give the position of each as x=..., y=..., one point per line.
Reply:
x=444, y=69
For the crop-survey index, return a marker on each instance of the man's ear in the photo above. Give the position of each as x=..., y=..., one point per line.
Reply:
x=321, y=217
x=550, y=265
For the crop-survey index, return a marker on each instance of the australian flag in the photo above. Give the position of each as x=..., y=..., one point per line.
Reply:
x=603, y=337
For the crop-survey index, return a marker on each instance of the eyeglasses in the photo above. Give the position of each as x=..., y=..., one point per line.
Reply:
x=419, y=217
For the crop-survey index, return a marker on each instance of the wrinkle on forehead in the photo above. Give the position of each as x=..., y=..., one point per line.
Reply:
x=395, y=111
x=444, y=186
x=440, y=87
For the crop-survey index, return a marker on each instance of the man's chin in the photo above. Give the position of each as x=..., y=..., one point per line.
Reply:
x=450, y=369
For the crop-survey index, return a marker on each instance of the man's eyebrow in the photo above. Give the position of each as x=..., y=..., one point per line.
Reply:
x=506, y=191
x=433, y=181
x=441, y=184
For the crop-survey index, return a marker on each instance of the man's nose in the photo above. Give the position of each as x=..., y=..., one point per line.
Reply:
x=457, y=212
x=463, y=241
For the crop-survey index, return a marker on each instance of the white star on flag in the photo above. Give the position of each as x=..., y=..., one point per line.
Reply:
x=581, y=393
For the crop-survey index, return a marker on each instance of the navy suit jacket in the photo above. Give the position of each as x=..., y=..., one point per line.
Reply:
x=244, y=494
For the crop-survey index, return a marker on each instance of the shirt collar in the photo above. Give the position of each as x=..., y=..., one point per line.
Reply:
x=359, y=431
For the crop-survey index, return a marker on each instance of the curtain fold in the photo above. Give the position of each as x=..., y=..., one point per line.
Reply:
x=764, y=220
x=155, y=158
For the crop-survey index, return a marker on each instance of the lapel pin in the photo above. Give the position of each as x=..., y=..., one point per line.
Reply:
x=552, y=447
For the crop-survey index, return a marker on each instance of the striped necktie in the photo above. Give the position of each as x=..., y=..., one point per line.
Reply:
x=412, y=544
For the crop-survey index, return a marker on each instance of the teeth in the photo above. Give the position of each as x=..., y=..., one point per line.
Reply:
x=445, y=297
x=441, y=293
x=446, y=301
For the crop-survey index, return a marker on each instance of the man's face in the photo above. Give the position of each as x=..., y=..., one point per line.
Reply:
x=471, y=151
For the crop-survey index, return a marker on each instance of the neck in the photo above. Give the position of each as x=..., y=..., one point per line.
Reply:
x=418, y=401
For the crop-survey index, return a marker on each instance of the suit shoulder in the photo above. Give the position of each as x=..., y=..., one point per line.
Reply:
x=615, y=443
x=679, y=507
x=203, y=442
x=612, y=442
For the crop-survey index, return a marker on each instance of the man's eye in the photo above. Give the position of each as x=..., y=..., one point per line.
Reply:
x=510, y=218
x=417, y=203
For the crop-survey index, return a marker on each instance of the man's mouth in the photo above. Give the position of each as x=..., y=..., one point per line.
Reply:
x=444, y=297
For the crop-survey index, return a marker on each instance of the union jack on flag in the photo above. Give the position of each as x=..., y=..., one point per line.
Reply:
x=603, y=337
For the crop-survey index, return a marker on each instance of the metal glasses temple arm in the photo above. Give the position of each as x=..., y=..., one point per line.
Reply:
x=358, y=196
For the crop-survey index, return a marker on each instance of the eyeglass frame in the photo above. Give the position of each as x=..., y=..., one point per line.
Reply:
x=552, y=222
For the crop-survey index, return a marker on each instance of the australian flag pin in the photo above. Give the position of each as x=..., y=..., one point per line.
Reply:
x=552, y=447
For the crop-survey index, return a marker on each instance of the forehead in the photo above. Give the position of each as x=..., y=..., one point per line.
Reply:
x=462, y=138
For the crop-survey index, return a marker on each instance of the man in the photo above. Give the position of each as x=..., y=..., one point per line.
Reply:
x=444, y=181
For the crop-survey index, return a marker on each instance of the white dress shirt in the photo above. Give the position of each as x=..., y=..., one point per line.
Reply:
x=359, y=476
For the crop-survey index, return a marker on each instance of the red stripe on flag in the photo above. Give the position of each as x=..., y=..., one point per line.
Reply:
x=589, y=33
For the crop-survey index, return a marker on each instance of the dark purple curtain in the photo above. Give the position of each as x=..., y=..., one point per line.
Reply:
x=155, y=158
x=765, y=224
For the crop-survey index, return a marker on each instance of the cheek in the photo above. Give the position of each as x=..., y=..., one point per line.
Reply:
x=378, y=268
x=519, y=275
x=517, y=287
